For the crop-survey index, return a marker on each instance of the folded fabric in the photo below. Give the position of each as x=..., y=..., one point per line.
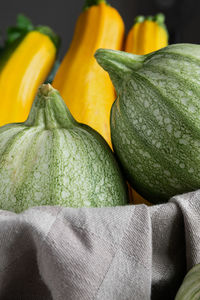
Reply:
x=117, y=253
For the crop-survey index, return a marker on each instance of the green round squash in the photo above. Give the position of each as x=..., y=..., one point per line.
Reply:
x=190, y=288
x=155, y=120
x=53, y=160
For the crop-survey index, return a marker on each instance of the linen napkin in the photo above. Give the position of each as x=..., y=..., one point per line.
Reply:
x=117, y=253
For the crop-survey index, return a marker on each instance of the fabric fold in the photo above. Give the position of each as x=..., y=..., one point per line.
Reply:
x=119, y=253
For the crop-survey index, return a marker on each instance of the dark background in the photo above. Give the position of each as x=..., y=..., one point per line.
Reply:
x=182, y=16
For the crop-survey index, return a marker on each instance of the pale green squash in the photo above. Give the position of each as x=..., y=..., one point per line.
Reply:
x=52, y=160
x=190, y=288
x=155, y=120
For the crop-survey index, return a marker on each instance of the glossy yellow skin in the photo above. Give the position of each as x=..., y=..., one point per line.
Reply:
x=143, y=38
x=146, y=37
x=20, y=77
x=83, y=84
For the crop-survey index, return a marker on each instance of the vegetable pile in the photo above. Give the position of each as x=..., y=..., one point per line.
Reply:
x=71, y=143
x=56, y=154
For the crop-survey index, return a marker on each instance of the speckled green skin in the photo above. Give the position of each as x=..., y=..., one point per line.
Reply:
x=155, y=121
x=53, y=160
x=190, y=288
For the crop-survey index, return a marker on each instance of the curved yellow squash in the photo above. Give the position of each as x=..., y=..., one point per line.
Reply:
x=84, y=85
x=22, y=74
x=147, y=35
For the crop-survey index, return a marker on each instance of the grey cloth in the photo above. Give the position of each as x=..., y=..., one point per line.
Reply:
x=120, y=253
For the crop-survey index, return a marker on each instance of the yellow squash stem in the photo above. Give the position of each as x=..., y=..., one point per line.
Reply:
x=147, y=35
x=84, y=85
x=21, y=75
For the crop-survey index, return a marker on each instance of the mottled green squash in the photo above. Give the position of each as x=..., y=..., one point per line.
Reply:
x=190, y=288
x=155, y=120
x=53, y=160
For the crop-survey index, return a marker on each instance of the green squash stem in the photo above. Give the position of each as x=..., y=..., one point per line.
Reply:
x=50, y=33
x=49, y=110
x=89, y=3
x=118, y=63
x=158, y=18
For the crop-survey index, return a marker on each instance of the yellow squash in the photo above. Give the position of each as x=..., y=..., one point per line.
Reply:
x=147, y=35
x=84, y=85
x=24, y=65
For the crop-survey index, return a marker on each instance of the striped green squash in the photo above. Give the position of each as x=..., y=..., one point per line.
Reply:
x=155, y=120
x=52, y=160
x=190, y=288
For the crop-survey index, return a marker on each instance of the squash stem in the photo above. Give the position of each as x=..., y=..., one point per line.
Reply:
x=118, y=64
x=89, y=3
x=158, y=18
x=45, y=89
x=50, y=33
x=49, y=110
x=119, y=61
